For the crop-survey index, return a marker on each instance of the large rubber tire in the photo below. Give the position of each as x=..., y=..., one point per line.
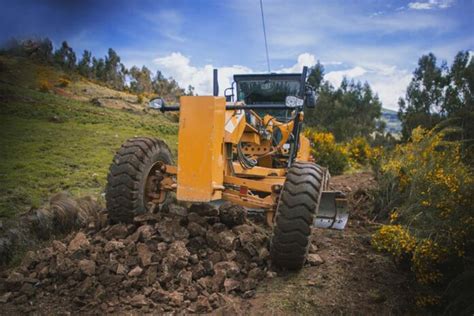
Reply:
x=296, y=209
x=128, y=173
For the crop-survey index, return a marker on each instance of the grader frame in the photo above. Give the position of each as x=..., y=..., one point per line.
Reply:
x=228, y=151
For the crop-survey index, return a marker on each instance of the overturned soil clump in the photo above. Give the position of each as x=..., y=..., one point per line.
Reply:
x=195, y=259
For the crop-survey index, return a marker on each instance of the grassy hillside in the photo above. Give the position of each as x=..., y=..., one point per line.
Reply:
x=63, y=138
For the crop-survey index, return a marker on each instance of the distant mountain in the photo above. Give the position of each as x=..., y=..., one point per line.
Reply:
x=394, y=126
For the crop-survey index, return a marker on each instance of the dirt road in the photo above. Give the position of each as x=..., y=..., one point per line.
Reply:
x=354, y=279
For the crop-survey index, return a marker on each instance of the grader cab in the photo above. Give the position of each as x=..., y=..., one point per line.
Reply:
x=246, y=148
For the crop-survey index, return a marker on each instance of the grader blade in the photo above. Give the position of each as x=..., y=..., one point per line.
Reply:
x=333, y=211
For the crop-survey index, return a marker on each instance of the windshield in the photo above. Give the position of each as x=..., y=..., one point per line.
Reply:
x=268, y=92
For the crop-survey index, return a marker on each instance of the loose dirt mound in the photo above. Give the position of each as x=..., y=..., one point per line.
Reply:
x=190, y=260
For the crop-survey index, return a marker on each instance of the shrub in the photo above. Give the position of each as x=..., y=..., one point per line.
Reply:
x=64, y=82
x=431, y=193
x=140, y=98
x=327, y=152
x=358, y=151
x=45, y=86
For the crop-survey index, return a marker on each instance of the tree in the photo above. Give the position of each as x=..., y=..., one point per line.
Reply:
x=349, y=111
x=459, y=93
x=98, y=69
x=85, y=67
x=114, y=70
x=141, y=80
x=316, y=75
x=190, y=90
x=424, y=100
x=65, y=57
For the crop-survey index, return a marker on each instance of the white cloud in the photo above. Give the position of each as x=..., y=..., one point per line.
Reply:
x=386, y=80
x=179, y=67
x=305, y=59
x=335, y=77
x=430, y=4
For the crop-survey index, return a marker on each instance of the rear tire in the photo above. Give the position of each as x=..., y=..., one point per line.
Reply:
x=128, y=174
x=296, y=209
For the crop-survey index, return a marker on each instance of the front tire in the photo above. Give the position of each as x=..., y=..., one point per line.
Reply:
x=296, y=209
x=129, y=177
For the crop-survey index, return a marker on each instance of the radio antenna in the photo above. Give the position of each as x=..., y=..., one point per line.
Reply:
x=265, y=36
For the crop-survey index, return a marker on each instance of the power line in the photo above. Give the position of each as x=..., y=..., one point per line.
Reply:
x=265, y=35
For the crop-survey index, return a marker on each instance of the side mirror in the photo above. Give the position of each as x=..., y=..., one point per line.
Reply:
x=157, y=103
x=310, y=99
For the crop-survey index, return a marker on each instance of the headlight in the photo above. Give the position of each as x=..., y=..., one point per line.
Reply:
x=293, y=102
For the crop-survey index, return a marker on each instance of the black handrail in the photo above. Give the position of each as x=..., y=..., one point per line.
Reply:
x=171, y=108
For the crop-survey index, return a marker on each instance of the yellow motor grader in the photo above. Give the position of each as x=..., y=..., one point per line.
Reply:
x=246, y=148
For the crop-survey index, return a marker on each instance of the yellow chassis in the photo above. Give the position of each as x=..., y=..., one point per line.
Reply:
x=207, y=141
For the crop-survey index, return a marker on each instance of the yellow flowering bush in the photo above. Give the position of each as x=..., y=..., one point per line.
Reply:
x=45, y=86
x=327, y=152
x=64, y=82
x=358, y=150
x=431, y=195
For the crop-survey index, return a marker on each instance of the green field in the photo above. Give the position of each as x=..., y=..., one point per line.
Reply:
x=51, y=143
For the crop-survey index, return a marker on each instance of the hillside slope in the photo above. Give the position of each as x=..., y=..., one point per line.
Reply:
x=390, y=117
x=59, y=132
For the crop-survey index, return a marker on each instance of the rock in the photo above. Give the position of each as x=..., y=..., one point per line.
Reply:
x=230, y=285
x=263, y=254
x=271, y=274
x=27, y=289
x=196, y=230
x=196, y=218
x=312, y=248
x=205, y=282
x=151, y=275
x=202, y=304
x=87, y=266
x=217, y=281
x=59, y=246
x=212, y=239
x=80, y=241
x=144, y=254
x=166, y=262
x=176, y=298
x=256, y=273
x=231, y=215
x=178, y=253
x=5, y=297
x=230, y=255
x=113, y=245
x=147, y=218
x=162, y=247
x=118, y=231
x=215, y=257
x=248, y=284
x=138, y=300
x=185, y=278
x=249, y=294
x=14, y=281
x=177, y=210
x=135, y=272
x=245, y=228
x=314, y=259
x=143, y=233
x=230, y=268
x=204, y=209
x=227, y=240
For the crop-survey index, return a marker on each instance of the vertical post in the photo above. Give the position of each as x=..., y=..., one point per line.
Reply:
x=215, y=83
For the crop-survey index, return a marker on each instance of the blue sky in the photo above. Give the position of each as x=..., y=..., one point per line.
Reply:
x=368, y=40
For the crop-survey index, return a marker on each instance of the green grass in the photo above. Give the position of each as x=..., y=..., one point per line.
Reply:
x=51, y=143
